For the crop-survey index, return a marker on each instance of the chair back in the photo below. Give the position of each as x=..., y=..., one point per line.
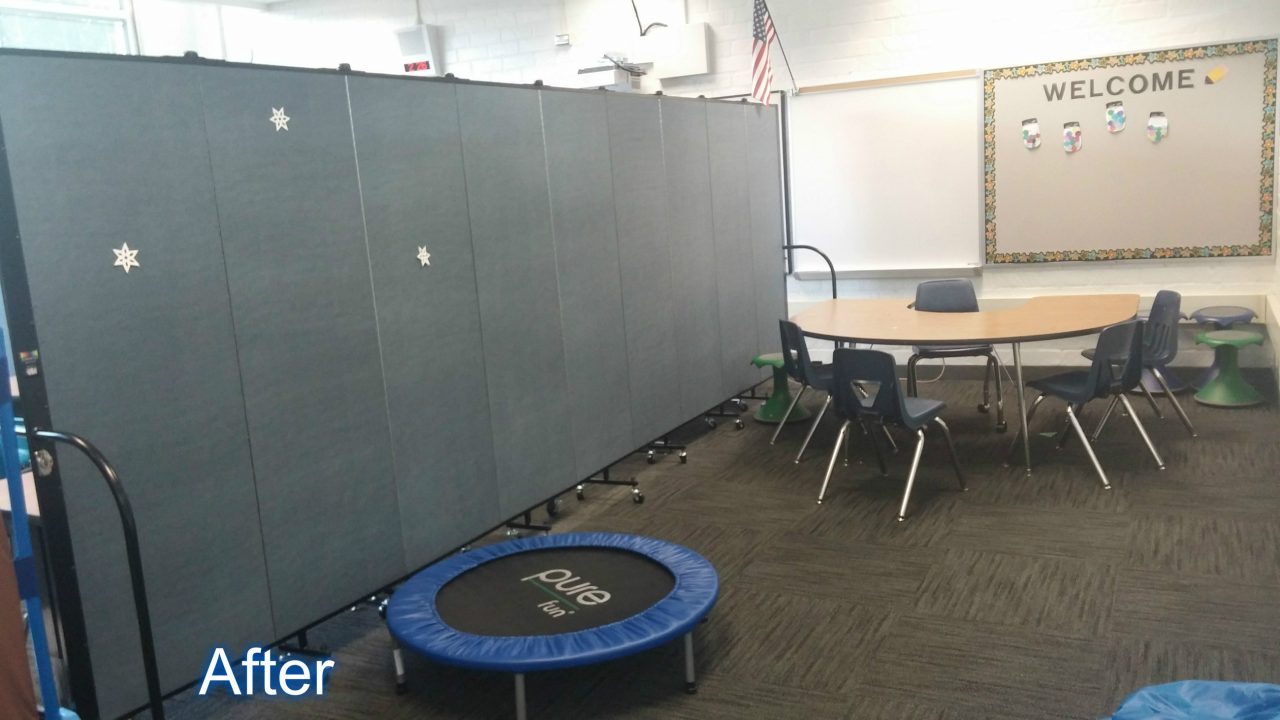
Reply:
x=1161, y=333
x=869, y=366
x=946, y=296
x=795, y=352
x=1117, y=359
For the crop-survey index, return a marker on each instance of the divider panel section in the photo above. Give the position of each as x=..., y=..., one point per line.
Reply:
x=142, y=363
x=586, y=236
x=301, y=296
x=409, y=149
x=508, y=195
x=693, y=254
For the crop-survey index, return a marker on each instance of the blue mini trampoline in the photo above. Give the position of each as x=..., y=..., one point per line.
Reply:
x=553, y=602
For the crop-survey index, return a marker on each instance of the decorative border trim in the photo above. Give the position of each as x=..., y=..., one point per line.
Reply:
x=1266, y=182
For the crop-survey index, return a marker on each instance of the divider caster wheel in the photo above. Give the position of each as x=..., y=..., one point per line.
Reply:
x=737, y=424
x=984, y=408
x=579, y=491
x=711, y=422
x=637, y=497
x=649, y=458
x=513, y=533
x=740, y=404
x=684, y=457
x=553, y=507
x=1002, y=427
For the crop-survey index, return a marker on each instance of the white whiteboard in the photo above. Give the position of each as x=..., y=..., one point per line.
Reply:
x=888, y=178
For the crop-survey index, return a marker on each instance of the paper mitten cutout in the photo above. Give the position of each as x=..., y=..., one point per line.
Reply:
x=1157, y=127
x=1071, y=140
x=1031, y=133
x=1115, y=116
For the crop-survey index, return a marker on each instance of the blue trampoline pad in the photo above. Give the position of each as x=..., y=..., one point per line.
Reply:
x=553, y=602
x=1201, y=700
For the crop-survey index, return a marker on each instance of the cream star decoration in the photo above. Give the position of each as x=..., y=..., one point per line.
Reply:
x=424, y=257
x=125, y=258
x=280, y=119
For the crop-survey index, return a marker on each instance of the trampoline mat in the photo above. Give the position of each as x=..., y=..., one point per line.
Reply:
x=552, y=591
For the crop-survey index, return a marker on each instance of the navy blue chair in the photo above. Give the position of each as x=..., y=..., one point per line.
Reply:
x=956, y=296
x=801, y=368
x=1116, y=370
x=889, y=405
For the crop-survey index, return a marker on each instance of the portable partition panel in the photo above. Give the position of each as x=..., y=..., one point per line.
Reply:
x=144, y=363
x=331, y=326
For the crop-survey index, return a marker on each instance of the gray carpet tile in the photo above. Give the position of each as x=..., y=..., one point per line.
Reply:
x=1039, y=596
x=1196, y=608
x=989, y=669
x=1063, y=596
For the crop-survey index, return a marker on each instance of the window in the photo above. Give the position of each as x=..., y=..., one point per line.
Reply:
x=100, y=26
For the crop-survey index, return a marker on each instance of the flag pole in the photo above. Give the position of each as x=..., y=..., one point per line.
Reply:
x=795, y=87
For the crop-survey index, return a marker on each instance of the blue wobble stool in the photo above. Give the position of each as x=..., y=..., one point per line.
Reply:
x=1219, y=317
x=1199, y=699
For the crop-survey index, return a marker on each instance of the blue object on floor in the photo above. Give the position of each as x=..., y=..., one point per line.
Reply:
x=1202, y=699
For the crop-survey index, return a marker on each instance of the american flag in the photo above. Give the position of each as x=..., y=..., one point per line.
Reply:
x=761, y=68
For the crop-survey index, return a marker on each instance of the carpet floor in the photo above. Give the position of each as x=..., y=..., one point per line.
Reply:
x=1039, y=596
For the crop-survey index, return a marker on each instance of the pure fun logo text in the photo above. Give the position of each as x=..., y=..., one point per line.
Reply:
x=568, y=592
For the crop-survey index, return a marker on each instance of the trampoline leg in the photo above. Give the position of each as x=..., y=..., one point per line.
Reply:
x=521, y=712
x=398, y=656
x=690, y=679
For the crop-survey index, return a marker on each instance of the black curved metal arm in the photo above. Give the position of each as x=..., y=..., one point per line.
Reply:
x=830, y=267
x=133, y=554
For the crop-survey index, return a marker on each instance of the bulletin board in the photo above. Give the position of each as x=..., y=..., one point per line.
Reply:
x=1164, y=154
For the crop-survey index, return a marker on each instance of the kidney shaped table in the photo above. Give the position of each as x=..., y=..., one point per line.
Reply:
x=891, y=322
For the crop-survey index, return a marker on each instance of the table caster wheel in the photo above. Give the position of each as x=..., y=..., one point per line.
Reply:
x=737, y=424
x=1002, y=427
x=650, y=458
x=711, y=422
x=684, y=457
x=637, y=497
x=984, y=408
x=553, y=507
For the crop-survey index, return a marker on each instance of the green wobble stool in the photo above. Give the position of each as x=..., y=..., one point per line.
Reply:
x=772, y=410
x=1228, y=388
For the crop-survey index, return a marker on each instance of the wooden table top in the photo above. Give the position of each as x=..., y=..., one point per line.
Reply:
x=890, y=322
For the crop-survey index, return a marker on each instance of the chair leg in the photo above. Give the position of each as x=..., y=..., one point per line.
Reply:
x=781, y=423
x=1088, y=448
x=1097, y=433
x=951, y=450
x=911, y=375
x=911, y=477
x=1065, y=432
x=1142, y=431
x=1177, y=406
x=1017, y=437
x=1151, y=401
x=879, y=455
x=848, y=439
x=814, y=427
x=893, y=444
x=831, y=466
x=986, y=388
x=1001, y=425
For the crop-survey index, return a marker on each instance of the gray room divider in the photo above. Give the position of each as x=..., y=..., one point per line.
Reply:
x=365, y=320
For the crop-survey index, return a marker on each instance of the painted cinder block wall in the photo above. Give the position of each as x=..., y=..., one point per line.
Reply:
x=827, y=41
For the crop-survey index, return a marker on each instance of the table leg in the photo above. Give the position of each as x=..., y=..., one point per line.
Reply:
x=1022, y=404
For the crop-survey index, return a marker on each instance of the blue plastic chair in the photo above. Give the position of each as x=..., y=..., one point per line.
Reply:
x=1116, y=369
x=956, y=296
x=888, y=405
x=801, y=368
x=1159, y=348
